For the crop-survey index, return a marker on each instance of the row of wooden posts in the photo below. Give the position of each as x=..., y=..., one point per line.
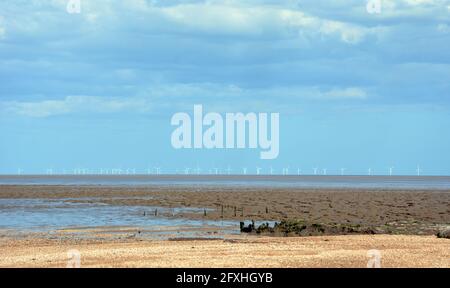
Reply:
x=222, y=210
x=235, y=209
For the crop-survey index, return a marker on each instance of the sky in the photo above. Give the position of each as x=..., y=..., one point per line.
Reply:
x=97, y=89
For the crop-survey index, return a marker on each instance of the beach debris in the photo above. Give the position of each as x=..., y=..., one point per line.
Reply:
x=156, y=212
x=247, y=229
x=302, y=228
x=444, y=234
x=204, y=212
x=235, y=210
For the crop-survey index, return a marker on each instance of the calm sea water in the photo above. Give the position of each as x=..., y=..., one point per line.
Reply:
x=382, y=182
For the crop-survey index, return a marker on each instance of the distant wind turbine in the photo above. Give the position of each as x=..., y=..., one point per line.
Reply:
x=258, y=170
x=391, y=171
x=229, y=170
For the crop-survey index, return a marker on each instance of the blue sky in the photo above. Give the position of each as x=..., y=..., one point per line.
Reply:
x=97, y=89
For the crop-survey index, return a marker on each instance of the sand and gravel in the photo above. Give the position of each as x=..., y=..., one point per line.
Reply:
x=323, y=251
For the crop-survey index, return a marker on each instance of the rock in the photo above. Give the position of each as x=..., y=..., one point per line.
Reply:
x=247, y=229
x=444, y=234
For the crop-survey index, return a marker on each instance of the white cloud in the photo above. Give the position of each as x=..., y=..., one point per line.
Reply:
x=75, y=104
x=346, y=93
x=232, y=91
x=2, y=29
x=443, y=28
x=210, y=17
x=258, y=20
x=299, y=51
x=421, y=2
x=431, y=9
x=178, y=96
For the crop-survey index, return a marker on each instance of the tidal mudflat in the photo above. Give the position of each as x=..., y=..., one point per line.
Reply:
x=400, y=211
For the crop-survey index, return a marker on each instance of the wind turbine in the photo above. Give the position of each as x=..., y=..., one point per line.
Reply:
x=158, y=170
x=244, y=171
x=391, y=171
x=271, y=170
x=343, y=171
x=299, y=171
x=258, y=170
x=315, y=170
x=324, y=170
x=370, y=172
x=418, y=170
x=229, y=170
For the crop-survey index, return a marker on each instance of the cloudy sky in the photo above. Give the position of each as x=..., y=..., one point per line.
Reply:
x=97, y=89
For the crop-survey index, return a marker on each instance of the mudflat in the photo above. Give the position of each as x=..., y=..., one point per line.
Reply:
x=419, y=212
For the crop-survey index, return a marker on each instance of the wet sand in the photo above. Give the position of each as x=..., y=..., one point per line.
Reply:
x=323, y=251
x=419, y=212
